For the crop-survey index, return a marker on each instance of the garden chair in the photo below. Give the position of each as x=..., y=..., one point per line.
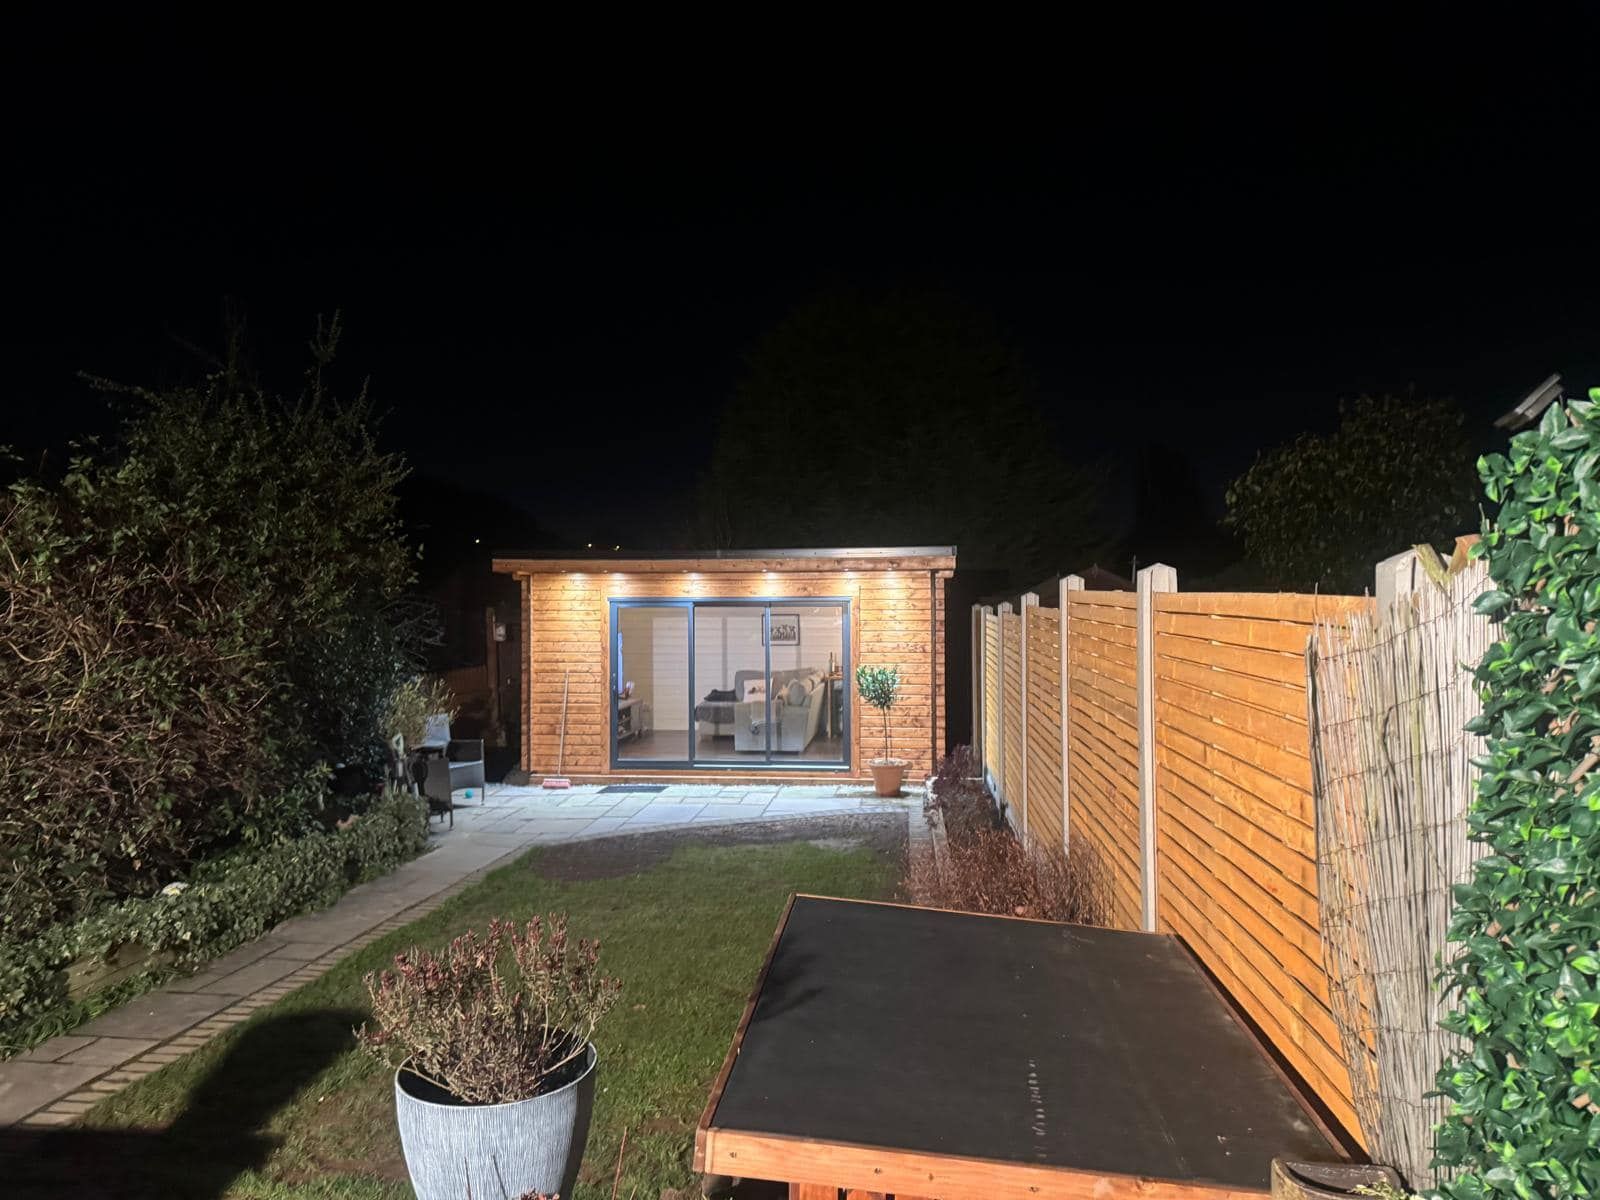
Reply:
x=459, y=766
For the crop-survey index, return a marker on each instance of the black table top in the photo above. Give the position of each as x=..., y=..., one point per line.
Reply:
x=1020, y=1041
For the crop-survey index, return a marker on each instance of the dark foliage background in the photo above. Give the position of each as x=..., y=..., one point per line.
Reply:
x=201, y=621
x=1318, y=513
x=896, y=417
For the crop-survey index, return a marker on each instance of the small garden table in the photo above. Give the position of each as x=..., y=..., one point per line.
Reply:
x=912, y=1052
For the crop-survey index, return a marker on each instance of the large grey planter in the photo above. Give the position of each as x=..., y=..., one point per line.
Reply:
x=493, y=1151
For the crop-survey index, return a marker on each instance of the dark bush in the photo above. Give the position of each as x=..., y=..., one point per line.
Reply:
x=225, y=903
x=991, y=872
x=960, y=797
x=199, y=625
x=982, y=867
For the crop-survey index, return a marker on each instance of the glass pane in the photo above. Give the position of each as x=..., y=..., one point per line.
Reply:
x=730, y=682
x=652, y=702
x=808, y=683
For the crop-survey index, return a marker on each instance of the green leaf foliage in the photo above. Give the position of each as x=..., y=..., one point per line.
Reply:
x=227, y=902
x=879, y=687
x=1526, y=974
x=201, y=624
x=1318, y=513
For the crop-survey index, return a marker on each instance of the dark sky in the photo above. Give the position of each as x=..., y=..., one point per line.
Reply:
x=552, y=251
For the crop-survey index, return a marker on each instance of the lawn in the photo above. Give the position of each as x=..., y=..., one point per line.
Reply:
x=285, y=1106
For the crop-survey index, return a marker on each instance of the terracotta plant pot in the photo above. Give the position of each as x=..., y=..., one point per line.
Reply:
x=888, y=774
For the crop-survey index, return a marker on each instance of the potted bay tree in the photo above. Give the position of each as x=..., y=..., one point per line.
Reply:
x=491, y=1041
x=880, y=687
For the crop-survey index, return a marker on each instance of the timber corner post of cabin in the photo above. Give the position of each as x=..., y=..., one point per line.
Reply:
x=731, y=666
x=1055, y=1087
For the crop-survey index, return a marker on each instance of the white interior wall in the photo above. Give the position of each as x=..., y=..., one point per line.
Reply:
x=669, y=644
x=655, y=651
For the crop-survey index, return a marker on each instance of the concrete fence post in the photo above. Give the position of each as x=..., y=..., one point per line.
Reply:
x=977, y=688
x=1069, y=584
x=1152, y=579
x=1029, y=600
x=1394, y=577
x=1004, y=784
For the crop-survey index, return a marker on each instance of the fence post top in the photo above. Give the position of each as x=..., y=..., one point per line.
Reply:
x=1006, y=607
x=1157, y=577
x=1394, y=577
x=1072, y=583
x=1030, y=599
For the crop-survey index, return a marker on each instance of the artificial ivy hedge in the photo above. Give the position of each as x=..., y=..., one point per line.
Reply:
x=1524, y=1088
x=228, y=902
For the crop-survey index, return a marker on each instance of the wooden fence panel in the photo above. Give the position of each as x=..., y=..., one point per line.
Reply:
x=1234, y=819
x=1103, y=739
x=1235, y=841
x=1044, y=727
x=1011, y=700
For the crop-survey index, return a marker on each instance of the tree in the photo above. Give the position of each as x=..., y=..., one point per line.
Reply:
x=1525, y=1089
x=895, y=418
x=1320, y=512
x=880, y=688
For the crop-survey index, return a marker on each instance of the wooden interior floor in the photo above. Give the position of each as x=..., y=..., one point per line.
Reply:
x=668, y=746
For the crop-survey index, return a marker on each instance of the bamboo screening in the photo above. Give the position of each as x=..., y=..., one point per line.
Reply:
x=1392, y=776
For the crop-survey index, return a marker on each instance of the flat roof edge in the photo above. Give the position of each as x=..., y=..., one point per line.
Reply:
x=674, y=555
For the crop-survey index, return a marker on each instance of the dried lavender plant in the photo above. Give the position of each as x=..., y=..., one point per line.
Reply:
x=494, y=1018
x=990, y=871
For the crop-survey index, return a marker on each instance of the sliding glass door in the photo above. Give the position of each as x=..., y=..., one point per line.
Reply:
x=807, y=644
x=650, y=700
x=730, y=682
x=726, y=683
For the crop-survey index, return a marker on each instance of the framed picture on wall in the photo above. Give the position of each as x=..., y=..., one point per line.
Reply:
x=785, y=629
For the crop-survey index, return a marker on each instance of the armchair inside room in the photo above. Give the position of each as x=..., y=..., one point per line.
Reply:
x=796, y=714
x=460, y=765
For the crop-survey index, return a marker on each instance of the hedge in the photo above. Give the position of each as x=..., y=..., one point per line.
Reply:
x=1525, y=977
x=226, y=903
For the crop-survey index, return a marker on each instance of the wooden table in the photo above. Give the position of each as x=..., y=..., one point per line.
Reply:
x=890, y=1051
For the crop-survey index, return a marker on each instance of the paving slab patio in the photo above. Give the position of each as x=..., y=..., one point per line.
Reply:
x=57, y=1081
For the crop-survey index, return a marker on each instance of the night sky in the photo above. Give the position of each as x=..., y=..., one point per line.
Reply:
x=551, y=253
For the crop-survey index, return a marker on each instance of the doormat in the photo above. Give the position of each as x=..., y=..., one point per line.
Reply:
x=617, y=788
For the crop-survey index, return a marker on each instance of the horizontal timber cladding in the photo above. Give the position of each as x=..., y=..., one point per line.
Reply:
x=1235, y=846
x=1011, y=700
x=897, y=619
x=1103, y=740
x=1235, y=853
x=1044, y=727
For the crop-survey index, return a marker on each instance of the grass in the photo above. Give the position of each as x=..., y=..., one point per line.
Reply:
x=285, y=1106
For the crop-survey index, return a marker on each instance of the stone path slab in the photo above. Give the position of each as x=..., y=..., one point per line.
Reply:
x=58, y=1081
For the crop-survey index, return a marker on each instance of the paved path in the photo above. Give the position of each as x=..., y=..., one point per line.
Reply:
x=63, y=1078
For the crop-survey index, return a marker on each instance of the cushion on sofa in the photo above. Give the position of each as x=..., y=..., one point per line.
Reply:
x=797, y=692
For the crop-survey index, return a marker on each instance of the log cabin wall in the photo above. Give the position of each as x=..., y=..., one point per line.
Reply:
x=896, y=619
